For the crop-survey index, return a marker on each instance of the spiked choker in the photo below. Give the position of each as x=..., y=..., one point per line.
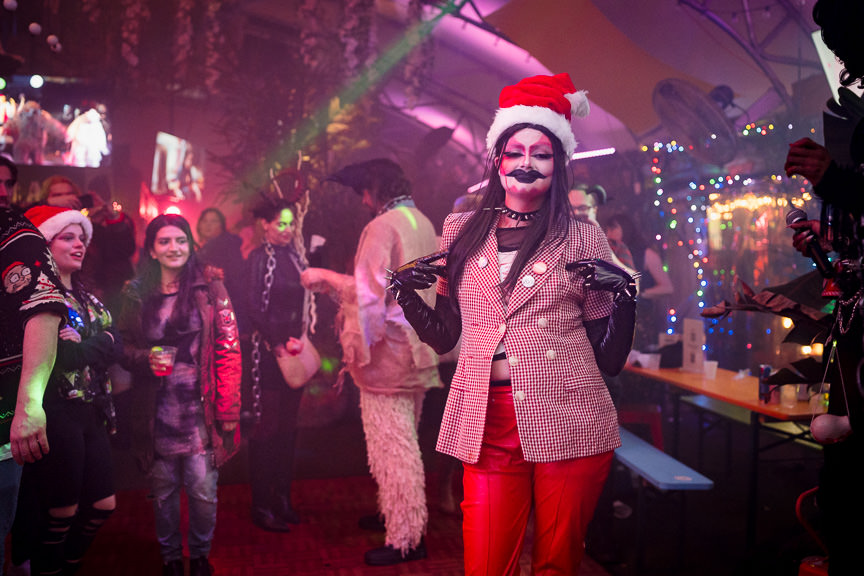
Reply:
x=518, y=216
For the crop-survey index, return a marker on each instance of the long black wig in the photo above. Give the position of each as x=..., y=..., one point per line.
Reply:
x=549, y=227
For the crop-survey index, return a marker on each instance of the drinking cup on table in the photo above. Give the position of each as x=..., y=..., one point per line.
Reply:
x=710, y=369
x=650, y=361
x=162, y=360
x=789, y=395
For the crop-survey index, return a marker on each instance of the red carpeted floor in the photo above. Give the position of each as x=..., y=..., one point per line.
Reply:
x=328, y=542
x=332, y=490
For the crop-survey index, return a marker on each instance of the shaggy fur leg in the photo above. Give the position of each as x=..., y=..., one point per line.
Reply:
x=390, y=424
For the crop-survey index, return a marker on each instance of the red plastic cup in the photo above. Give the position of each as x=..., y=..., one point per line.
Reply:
x=162, y=362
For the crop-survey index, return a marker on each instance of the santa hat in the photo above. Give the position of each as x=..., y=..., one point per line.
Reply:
x=51, y=220
x=546, y=101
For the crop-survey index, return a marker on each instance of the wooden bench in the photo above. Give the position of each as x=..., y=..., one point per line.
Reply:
x=664, y=473
x=658, y=468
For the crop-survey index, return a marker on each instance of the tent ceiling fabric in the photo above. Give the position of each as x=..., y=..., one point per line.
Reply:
x=620, y=49
x=574, y=36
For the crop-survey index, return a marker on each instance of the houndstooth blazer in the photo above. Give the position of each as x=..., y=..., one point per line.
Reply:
x=563, y=408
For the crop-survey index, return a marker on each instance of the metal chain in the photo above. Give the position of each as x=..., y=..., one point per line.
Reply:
x=256, y=336
x=841, y=304
x=268, y=276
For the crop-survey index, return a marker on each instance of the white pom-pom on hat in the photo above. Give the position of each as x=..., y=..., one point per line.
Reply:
x=579, y=105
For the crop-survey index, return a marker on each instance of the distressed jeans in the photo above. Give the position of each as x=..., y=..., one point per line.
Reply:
x=197, y=474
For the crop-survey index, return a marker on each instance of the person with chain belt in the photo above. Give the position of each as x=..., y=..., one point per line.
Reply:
x=277, y=308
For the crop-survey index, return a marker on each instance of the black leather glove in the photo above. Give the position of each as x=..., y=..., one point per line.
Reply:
x=610, y=337
x=602, y=275
x=418, y=274
x=439, y=328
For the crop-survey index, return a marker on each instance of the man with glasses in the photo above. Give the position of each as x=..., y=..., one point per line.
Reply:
x=584, y=201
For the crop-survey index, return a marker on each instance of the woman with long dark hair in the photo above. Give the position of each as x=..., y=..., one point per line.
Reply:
x=72, y=486
x=541, y=313
x=187, y=426
x=655, y=285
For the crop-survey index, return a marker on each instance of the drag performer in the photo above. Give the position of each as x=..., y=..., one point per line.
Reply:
x=386, y=360
x=541, y=312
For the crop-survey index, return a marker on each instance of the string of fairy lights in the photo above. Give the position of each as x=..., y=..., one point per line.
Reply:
x=697, y=215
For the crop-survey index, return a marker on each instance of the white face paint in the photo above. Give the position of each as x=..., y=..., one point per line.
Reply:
x=525, y=169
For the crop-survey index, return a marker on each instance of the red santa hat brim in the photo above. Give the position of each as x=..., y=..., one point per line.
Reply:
x=51, y=220
x=552, y=121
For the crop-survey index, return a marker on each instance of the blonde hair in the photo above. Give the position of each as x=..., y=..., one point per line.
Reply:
x=49, y=182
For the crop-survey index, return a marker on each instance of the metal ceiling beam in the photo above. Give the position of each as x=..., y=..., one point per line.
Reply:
x=753, y=50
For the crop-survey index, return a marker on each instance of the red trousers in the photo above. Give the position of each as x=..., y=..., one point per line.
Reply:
x=501, y=488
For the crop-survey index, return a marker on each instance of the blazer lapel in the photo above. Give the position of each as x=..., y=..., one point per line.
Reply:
x=482, y=271
x=534, y=275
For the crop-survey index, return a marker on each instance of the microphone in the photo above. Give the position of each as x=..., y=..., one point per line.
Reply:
x=814, y=250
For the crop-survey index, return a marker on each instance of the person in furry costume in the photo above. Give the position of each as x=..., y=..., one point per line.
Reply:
x=31, y=127
x=384, y=356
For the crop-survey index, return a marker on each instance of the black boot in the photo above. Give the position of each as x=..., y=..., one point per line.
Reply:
x=200, y=567
x=387, y=555
x=173, y=568
x=283, y=509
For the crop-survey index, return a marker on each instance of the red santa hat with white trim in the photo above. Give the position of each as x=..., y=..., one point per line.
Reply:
x=547, y=101
x=51, y=220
